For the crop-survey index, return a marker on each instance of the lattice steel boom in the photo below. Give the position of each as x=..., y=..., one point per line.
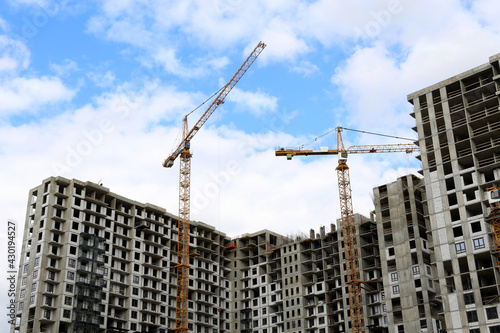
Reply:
x=185, y=187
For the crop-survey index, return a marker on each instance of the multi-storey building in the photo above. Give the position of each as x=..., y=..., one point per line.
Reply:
x=370, y=266
x=412, y=298
x=94, y=261
x=256, y=282
x=458, y=126
x=299, y=285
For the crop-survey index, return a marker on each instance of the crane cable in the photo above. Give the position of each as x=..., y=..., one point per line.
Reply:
x=215, y=93
x=350, y=129
x=318, y=137
x=389, y=136
x=179, y=135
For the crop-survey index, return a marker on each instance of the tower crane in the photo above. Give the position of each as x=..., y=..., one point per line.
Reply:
x=348, y=228
x=183, y=150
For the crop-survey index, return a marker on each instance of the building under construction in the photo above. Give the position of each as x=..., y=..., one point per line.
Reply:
x=412, y=298
x=95, y=261
x=458, y=126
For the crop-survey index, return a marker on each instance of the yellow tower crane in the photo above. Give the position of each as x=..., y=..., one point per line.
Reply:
x=346, y=211
x=184, y=191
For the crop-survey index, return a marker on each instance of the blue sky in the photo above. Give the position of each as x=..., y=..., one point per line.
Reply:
x=97, y=90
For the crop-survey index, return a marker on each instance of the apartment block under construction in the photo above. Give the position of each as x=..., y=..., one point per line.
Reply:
x=95, y=261
x=458, y=126
x=412, y=297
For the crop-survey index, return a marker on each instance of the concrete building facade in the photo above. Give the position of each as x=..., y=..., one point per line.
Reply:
x=370, y=267
x=94, y=261
x=297, y=284
x=412, y=297
x=458, y=121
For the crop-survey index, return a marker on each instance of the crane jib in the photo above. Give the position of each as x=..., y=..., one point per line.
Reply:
x=218, y=101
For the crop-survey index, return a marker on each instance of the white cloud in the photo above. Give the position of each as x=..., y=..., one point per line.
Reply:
x=284, y=25
x=258, y=103
x=102, y=80
x=168, y=59
x=291, y=29
x=39, y=3
x=217, y=23
x=28, y=94
x=331, y=21
x=373, y=90
x=466, y=41
x=66, y=68
x=7, y=64
x=139, y=110
x=283, y=42
x=14, y=55
x=218, y=63
x=3, y=24
x=129, y=29
x=375, y=79
x=306, y=68
x=23, y=93
x=487, y=12
x=213, y=25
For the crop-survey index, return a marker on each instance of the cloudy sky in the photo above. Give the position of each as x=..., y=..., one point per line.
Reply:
x=97, y=90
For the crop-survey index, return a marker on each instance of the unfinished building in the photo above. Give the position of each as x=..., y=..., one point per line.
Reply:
x=93, y=261
x=298, y=284
x=457, y=121
x=412, y=298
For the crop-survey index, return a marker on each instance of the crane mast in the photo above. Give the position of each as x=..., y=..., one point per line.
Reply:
x=350, y=249
x=183, y=151
x=181, y=317
x=347, y=217
x=349, y=237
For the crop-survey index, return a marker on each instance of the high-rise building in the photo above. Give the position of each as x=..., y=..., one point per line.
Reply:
x=412, y=297
x=298, y=284
x=256, y=282
x=94, y=261
x=371, y=272
x=458, y=126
